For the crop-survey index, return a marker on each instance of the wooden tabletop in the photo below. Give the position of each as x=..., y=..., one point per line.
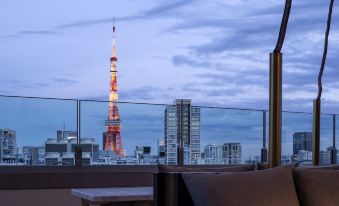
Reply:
x=115, y=194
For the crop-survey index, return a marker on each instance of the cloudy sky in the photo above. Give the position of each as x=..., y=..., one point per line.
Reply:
x=214, y=52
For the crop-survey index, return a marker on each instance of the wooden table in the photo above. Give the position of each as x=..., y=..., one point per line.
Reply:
x=115, y=196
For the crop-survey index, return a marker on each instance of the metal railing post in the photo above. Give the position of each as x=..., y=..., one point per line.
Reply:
x=334, y=150
x=275, y=106
x=316, y=132
x=78, y=147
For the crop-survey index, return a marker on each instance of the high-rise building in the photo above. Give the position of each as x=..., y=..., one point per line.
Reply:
x=8, y=146
x=112, y=136
x=213, y=154
x=182, y=127
x=171, y=141
x=302, y=141
x=232, y=153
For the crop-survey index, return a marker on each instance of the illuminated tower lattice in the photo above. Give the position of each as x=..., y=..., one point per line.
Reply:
x=112, y=137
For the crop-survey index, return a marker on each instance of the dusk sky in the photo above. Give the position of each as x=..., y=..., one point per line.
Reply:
x=214, y=52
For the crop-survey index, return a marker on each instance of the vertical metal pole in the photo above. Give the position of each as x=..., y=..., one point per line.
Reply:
x=1, y=150
x=316, y=132
x=275, y=105
x=78, y=148
x=334, y=150
x=264, y=148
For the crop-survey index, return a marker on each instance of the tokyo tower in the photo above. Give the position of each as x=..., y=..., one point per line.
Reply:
x=112, y=138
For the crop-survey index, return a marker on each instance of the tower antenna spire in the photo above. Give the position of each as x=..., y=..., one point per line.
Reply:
x=113, y=19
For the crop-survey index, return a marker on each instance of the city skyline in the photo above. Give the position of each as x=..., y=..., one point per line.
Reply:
x=66, y=55
x=143, y=124
x=59, y=150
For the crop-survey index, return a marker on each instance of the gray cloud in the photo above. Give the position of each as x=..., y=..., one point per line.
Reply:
x=29, y=32
x=84, y=23
x=36, y=32
x=166, y=7
x=145, y=93
x=65, y=81
x=181, y=60
x=4, y=91
x=157, y=11
x=41, y=84
x=151, y=13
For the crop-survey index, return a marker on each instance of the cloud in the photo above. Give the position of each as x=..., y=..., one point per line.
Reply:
x=180, y=60
x=157, y=11
x=4, y=91
x=84, y=23
x=35, y=32
x=29, y=32
x=42, y=84
x=145, y=93
x=64, y=81
x=166, y=7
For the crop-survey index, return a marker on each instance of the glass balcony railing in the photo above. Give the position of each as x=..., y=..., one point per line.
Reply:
x=230, y=136
x=46, y=131
x=141, y=129
x=296, y=137
x=336, y=133
x=28, y=124
x=326, y=140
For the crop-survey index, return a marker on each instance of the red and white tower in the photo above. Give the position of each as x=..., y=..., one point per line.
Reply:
x=112, y=137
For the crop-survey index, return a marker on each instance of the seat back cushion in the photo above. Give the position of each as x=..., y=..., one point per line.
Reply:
x=317, y=187
x=235, y=168
x=323, y=167
x=270, y=187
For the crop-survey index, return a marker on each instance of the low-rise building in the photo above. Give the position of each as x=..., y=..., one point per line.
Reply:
x=64, y=145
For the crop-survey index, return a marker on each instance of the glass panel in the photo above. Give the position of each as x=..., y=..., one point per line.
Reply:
x=337, y=135
x=31, y=130
x=142, y=133
x=326, y=139
x=296, y=138
x=230, y=136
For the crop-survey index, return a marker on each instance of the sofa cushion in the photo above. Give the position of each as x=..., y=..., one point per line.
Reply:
x=264, y=166
x=237, y=168
x=317, y=186
x=271, y=187
x=324, y=167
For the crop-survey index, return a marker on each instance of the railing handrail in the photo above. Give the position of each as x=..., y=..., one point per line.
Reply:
x=157, y=104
